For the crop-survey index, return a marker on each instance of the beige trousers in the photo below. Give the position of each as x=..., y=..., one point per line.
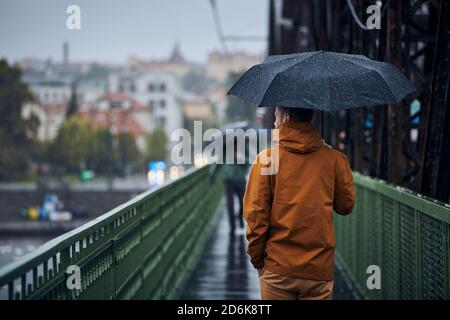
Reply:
x=277, y=287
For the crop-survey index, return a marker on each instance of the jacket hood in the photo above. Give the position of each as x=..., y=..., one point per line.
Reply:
x=299, y=137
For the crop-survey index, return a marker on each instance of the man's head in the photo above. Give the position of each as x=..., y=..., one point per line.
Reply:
x=283, y=115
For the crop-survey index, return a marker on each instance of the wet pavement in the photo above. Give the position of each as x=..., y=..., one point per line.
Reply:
x=224, y=271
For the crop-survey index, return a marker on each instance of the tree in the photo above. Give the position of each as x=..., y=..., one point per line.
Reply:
x=79, y=146
x=73, y=102
x=16, y=133
x=156, y=145
x=72, y=145
x=128, y=151
x=100, y=157
x=238, y=109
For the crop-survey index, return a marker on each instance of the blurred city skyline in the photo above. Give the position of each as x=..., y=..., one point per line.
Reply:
x=112, y=31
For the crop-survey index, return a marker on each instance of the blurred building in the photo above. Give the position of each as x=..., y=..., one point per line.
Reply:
x=176, y=63
x=158, y=90
x=51, y=117
x=90, y=89
x=197, y=108
x=219, y=65
x=167, y=90
x=120, y=113
x=50, y=91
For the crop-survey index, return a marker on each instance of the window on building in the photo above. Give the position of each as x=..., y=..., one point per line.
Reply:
x=163, y=87
x=151, y=105
x=116, y=104
x=151, y=87
x=162, y=104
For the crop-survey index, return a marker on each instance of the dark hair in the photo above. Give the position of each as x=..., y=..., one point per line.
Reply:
x=300, y=114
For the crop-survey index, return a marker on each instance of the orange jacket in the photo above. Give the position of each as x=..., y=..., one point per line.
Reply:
x=290, y=214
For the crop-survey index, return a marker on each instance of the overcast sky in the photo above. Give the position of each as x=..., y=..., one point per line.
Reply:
x=112, y=30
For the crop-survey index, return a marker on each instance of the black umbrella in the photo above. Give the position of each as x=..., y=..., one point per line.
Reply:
x=322, y=80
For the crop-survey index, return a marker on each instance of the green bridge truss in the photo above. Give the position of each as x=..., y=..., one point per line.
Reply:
x=405, y=234
x=142, y=249
x=145, y=248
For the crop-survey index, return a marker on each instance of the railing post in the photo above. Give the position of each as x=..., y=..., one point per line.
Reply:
x=397, y=249
x=64, y=262
x=419, y=258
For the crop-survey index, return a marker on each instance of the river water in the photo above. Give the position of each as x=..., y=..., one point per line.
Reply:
x=12, y=248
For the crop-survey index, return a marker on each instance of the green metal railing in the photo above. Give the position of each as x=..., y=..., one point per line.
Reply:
x=141, y=249
x=405, y=234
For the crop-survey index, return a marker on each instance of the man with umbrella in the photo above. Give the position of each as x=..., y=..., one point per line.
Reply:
x=289, y=212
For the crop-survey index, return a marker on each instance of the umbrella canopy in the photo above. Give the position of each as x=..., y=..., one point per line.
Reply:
x=322, y=80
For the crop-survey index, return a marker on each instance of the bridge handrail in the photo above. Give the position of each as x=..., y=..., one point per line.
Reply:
x=55, y=245
x=405, y=234
x=432, y=207
x=113, y=236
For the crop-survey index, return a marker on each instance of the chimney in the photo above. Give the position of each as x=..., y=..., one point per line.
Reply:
x=65, y=53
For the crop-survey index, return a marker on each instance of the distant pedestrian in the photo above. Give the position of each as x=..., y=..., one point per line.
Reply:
x=234, y=178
